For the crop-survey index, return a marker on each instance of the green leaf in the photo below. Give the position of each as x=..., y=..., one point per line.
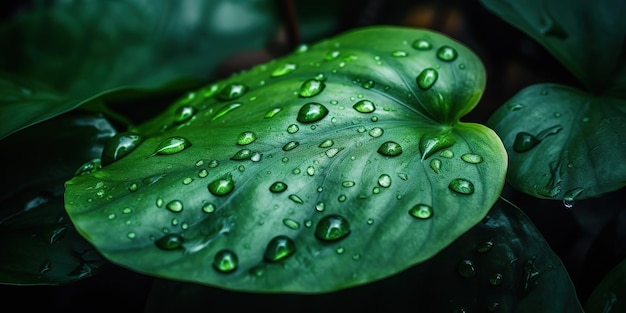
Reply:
x=563, y=143
x=40, y=244
x=325, y=169
x=587, y=37
x=608, y=296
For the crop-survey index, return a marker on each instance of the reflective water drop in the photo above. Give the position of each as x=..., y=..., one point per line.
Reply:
x=348, y=184
x=225, y=261
x=320, y=206
x=466, y=268
x=208, y=208
x=271, y=113
x=225, y=110
x=283, y=70
x=256, y=156
x=310, y=170
x=232, y=91
x=296, y=199
x=434, y=141
x=119, y=146
x=427, y=78
x=496, y=279
x=421, y=44
x=170, y=242
x=524, y=142
x=364, y=106
x=279, y=248
x=159, y=202
x=89, y=167
x=222, y=186
x=570, y=196
x=390, y=148
x=290, y=145
x=332, y=227
x=203, y=173
x=421, y=211
x=448, y=154
x=291, y=223
x=331, y=55
x=446, y=53
x=184, y=113
x=514, y=106
x=213, y=163
x=472, y=158
x=243, y=154
x=311, y=112
x=326, y=143
x=246, y=138
x=174, y=206
x=342, y=198
x=368, y=84
x=399, y=54
x=311, y=87
x=484, y=247
x=332, y=152
x=384, y=180
x=461, y=186
x=133, y=187
x=493, y=307
x=435, y=164
x=376, y=132
x=278, y=187
x=172, y=145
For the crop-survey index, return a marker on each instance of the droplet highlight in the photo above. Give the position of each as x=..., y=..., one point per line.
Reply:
x=312, y=112
x=279, y=248
x=390, y=148
x=332, y=227
x=311, y=87
x=421, y=211
x=222, y=186
x=427, y=78
x=461, y=186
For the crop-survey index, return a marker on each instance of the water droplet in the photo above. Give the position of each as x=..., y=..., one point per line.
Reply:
x=256, y=156
x=342, y=198
x=184, y=113
x=310, y=170
x=496, y=279
x=435, y=164
x=348, y=184
x=243, y=154
x=296, y=199
x=222, y=186
x=246, y=138
x=213, y=163
x=291, y=223
x=421, y=44
x=279, y=248
x=271, y=113
x=133, y=187
x=376, y=132
x=311, y=87
x=421, y=211
x=524, y=142
x=326, y=143
x=159, y=202
x=332, y=227
x=399, y=54
x=203, y=173
x=472, y=158
x=283, y=70
x=384, y=180
x=119, y=146
x=89, y=167
x=278, y=187
x=368, y=84
x=293, y=128
x=332, y=152
x=390, y=148
x=364, y=106
x=433, y=142
x=187, y=180
x=170, y=242
x=225, y=261
x=174, y=206
x=232, y=91
x=447, y=54
x=225, y=110
x=127, y=210
x=172, y=145
x=484, y=247
x=290, y=145
x=331, y=55
x=514, y=106
x=448, y=154
x=570, y=196
x=466, y=268
x=427, y=78
x=461, y=186
x=320, y=206
x=208, y=208
x=311, y=112
x=131, y=235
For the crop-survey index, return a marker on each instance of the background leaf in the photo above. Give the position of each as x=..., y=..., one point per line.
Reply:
x=608, y=297
x=200, y=184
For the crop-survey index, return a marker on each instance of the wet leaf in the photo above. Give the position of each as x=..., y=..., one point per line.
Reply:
x=608, y=296
x=327, y=188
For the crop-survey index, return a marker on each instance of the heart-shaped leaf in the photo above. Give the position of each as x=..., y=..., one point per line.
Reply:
x=340, y=164
x=564, y=143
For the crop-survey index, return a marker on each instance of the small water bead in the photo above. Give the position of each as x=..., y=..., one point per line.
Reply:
x=246, y=138
x=131, y=235
x=390, y=148
x=332, y=152
x=433, y=142
x=283, y=70
x=331, y=55
x=421, y=44
x=225, y=261
x=271, y=113
x=496, y=279
x=284, y=159
x=232, y=91
x=208, y=208
x=421, y=211
x=296, y=199
x=484, y=247
x=127, y=210
x=279, y=248
x=243, y=154
x=466, y=268
x=435, y=164
x=225, y=110
x=524, y=142
x=448, y=154
x=187, y=180
x=461, y=186
x=311, y=112
x=184, y=113
x=170, y=242
x=296, y=171
x=222, y=186
x=278, y=187
x=368, y=84
x=374, y=119
x=376, y=190
x=112, y=216
x=133, y=187
x=364, y=106
x=342, y=198
x=384, y=180
x=119, y=146
x=213, y=163
x=159, y=202
x=376, y=132
x=472, y=158
x=311, y=87
x=291, y=223
x=514, y=106
x=172, y=145
x=399, y=54
x=290, y=145
x=361, y=129
x=427, y=78
x=447, y=54
x=348, y=184
x=403, y=176
x=326, y=143
x=293, y=128
x=310, y=170
x=174, y=206
x=320, y=206
x=89, y=167
x=256, y=156
x=203, y=173
x=332, y=227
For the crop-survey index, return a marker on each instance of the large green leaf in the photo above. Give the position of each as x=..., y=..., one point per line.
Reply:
x=349, y=153
x=587, y=37
x=87, y=49
x=609, y=295
x=563, y=143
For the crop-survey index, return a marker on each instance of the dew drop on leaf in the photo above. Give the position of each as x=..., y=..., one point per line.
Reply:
x=472, y=158
x=311, y=87
x=243, y=154
x=421, y=44
x=174, y=206
x=376, y=132
x=222, y=186
x=461, y=186
x=466, y=268
x=320, y=206
x=225, y=261
x=399, y=54
x=293, y=128
x=435, y=164
x=433, y=142
x=447, y=54
x=278, y=187
x=296, y=199
x=246, y=138
x=291, y=223
x=326, y=143
x=384, y=180
x=390, y=148
x=283, y=70
x=427, y=78
x=448, y=154
x=364, y=106
x=119, y=146
x=89, y=167
x=332, y=227
x=172, y=145
x=279, y=248
x=484, y=247
x=232, y=91
x=208, y=208
x=290, y=145
x=133, y=187
x=184, y=113
x=421, y=211
x=496, y=279
x=311, y=112
x=271, y=113
x=524, y=142
x=170, y=242
x=368, y=84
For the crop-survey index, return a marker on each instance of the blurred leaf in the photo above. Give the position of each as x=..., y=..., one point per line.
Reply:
x=563, y=143
x=610, y=295
x=40, y=244
x=348, y=137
